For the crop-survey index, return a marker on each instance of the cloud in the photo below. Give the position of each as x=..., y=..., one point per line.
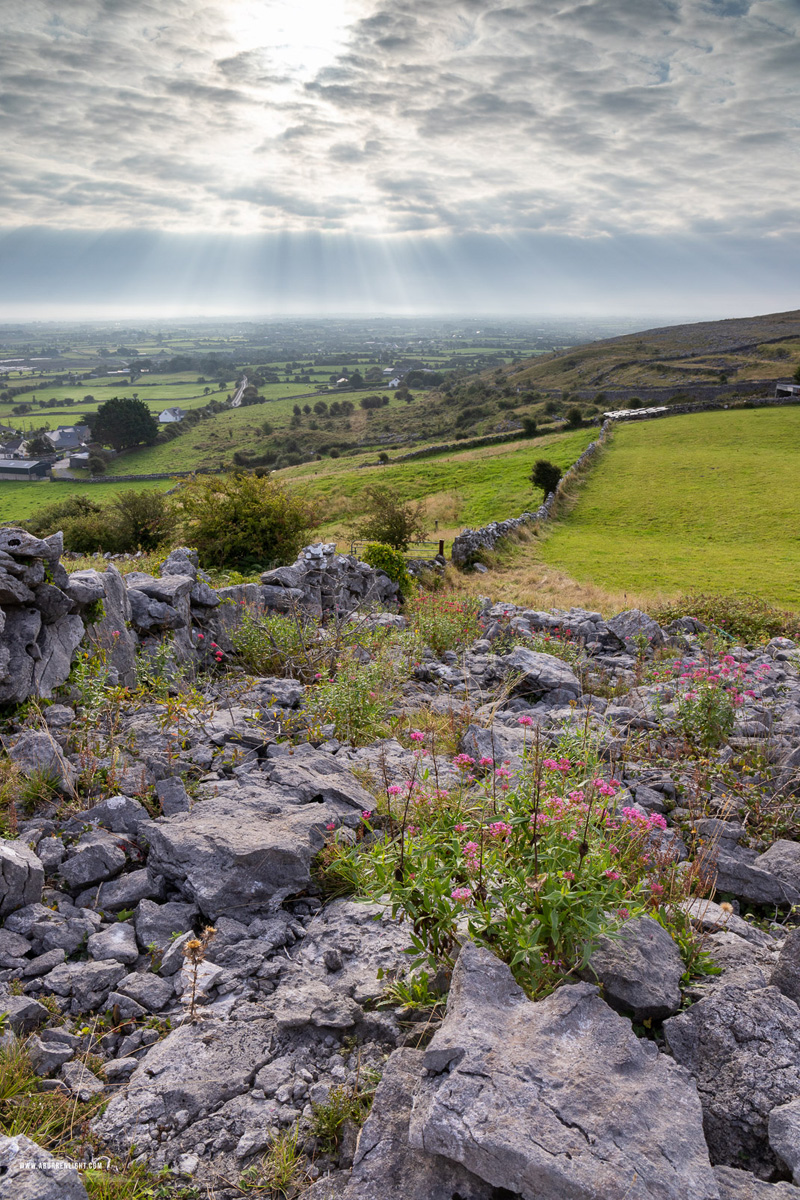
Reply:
x=603, y=118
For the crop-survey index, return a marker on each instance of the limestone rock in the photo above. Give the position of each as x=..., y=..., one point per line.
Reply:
x=557, y=1100
x=234, y=851
x=786, y=974
x=741, y=1185
x=21, y=876
x=634, y=627
x=385, y=1166
x=50, y=1178
x=541, y=673
x=743, y=1049
x=640, y=970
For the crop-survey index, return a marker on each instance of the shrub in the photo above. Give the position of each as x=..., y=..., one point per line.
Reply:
x=444, y=624
x=236, y=520
x=529, y=427
x=574, y=417
x=740, y=615
x=545, y=475
x=390, y=520
x=97, y=465
x=143, y=519
x=535, y=866
x=391, y=562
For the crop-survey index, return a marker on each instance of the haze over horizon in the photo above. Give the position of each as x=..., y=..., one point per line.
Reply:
x=181, y=157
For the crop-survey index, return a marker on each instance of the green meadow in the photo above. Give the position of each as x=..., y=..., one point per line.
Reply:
x=463, y=487
x=21, y=500
x=707, y=501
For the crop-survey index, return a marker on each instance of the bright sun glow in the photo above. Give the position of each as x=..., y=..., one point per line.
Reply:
x=300, y=36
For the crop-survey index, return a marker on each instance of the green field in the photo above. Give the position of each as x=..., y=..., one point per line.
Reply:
x=464, y=487
x=21, y=500
x=708, y=501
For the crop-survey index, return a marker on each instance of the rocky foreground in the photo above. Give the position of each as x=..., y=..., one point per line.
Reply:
x=176, y=813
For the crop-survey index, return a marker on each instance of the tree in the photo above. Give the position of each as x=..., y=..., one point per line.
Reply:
x=389, y=520
x=122, y=422
x=242, y=520
x=574, y=417
x=529, y=426
x=97, y=464
x=545, y=475
x=143, y=519
x=39, y=445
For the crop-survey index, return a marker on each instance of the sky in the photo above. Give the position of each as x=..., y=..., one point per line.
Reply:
x=170, y=157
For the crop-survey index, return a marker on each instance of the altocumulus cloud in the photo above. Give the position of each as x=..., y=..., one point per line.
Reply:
x=607, y=116
x=546, y=124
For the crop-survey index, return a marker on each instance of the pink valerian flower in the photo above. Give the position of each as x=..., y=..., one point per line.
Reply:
x=485, y=761
x=461, y=828
x=471, y=849
x=463, y=761
x=461, y=894
x=412, y=830
x=394, y=789
x=503, y=773
x=623, y=913
x=606, y=787
x=611, y=874
x=499, y=829
x=200, y=637
x=527, y=721
x=568, y=875
x=656, y=821
x=366, y=814
x=116, y=633
x=613, y=849
x=417, y=735
x=331, y=825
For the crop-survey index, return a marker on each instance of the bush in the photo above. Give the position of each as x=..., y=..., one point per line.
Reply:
x=536, y=867
x=529, y=427
x=391, y=562
x=97, y=464
x=545, y=475
x=239, y=520
x=444, y=624
x=746, y=618
x=574, y=417
x=390, y=520
x=143, y=519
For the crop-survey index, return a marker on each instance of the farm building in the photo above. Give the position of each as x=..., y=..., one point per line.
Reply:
x=22, y=469
x=784, y=390
x=171, y=416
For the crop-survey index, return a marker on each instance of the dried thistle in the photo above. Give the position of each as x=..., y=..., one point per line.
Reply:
x=194, y=953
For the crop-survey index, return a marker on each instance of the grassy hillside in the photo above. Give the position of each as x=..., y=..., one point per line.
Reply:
x=742, y=351
x=709, y=501
x=465, y=487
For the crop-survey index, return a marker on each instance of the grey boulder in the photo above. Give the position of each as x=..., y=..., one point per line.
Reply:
x=786, y=973
x=743, y=1048
x=539, y=673
x=636, y=630
x=557, y=1100
x=233, y=852
x=385, y=1165
x=640, y=970
x=784, y=1135
x=21, y=877
x=49, y=1179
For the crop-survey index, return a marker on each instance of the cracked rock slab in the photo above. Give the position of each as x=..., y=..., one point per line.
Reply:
x=556, y=1100
x=742, y=1045
x=386, y=1166
x=194, y=1070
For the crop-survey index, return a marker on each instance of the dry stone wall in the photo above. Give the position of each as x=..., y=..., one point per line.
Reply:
x=46, y=613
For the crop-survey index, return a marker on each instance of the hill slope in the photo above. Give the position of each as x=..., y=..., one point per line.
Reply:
x=735, y=355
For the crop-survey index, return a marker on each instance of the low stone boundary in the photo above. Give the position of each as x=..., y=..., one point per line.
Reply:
x=471, y=541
